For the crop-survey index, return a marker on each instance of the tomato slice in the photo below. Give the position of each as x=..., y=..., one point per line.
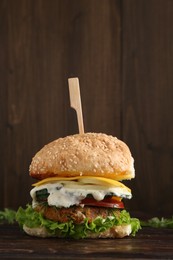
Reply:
x=107, y=203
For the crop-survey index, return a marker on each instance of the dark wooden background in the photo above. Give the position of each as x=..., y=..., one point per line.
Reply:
x=122, y=52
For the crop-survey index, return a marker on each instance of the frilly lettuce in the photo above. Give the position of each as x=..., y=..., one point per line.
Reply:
x=33, y=219
x=7, y=216
x=158, y=222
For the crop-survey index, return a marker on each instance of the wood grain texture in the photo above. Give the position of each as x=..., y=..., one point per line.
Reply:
x=3, y=93
x=14, y=244
x=147, y=100
x=122, y=53
x=43, y=43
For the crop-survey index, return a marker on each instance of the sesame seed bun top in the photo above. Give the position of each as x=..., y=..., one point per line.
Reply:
x=89, y=154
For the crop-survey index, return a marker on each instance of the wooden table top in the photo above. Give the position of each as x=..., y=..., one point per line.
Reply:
x=149, y=243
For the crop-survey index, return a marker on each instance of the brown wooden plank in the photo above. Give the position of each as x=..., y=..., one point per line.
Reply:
x=16, y=121
x=42, y=44
x=147, y=100
x=3, y=95
x=96, y=32
x=148, y=244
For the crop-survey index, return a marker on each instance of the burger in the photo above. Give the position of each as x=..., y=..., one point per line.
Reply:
x=79, y=191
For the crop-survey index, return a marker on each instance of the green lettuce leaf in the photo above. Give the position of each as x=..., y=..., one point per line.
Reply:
x=7, y=216
x=33, y=219
x=158, y=222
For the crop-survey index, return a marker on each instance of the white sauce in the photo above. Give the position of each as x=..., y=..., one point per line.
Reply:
x=69, y=193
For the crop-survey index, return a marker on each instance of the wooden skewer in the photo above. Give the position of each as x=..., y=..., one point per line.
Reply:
x=75, y=101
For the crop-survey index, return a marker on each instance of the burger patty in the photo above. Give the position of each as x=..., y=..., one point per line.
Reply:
x=77, y=214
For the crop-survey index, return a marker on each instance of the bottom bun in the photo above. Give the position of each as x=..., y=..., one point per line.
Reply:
x=114, y=232
x=37, y=232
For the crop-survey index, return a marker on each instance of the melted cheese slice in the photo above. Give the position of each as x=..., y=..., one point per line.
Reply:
x=66, y=191
x=85, y=180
